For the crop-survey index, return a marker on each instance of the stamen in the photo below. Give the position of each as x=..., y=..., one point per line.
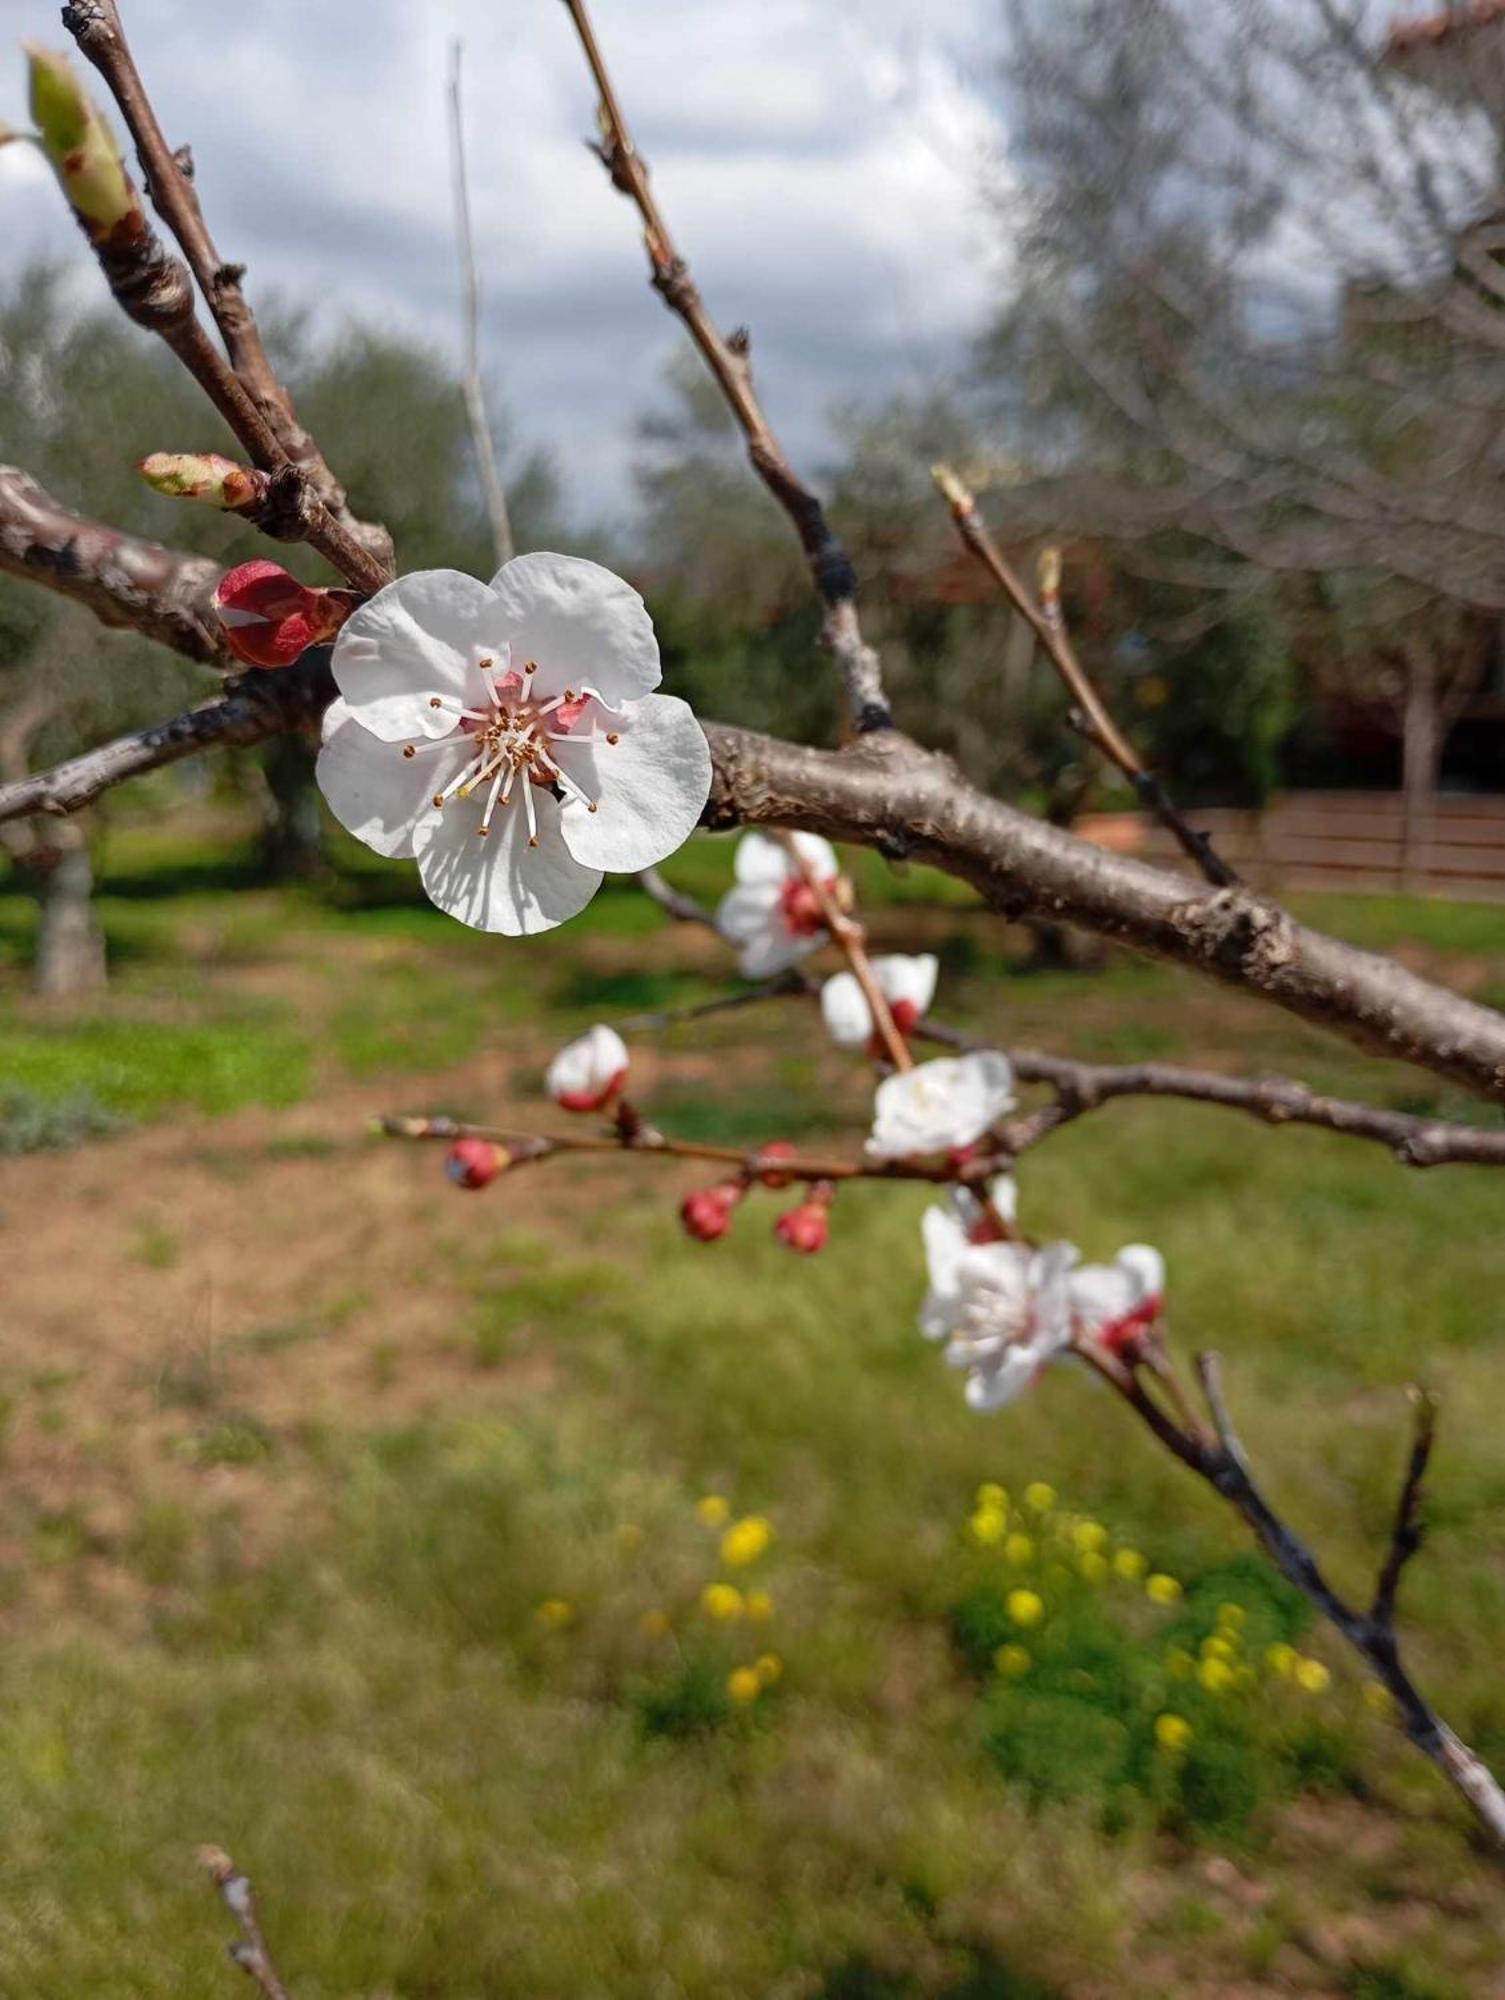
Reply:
x=485, y=827
x=409, y=750
x=612, y=736
x=532, y=815
x=531, y=667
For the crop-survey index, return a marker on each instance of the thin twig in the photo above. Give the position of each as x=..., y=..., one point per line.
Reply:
x=1407, y=1535
x=1225, y=1466
x=727, y=359
x=250, y=1953
x=852, y=940
x=1098, y=725
x=674, y=902
x=470, y=320
x=784, y=985
x=528, y=1148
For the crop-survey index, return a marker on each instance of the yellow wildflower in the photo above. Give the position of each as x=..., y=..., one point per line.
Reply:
x=1312, y=1675
x=1280, y=1658
x=654, y=1624
x=745, y=1541
x=1381, y=1700
x=1094, y=1567
x=1039, y=1497
x=1172, y=1732
x=1013, y=1661
x=1234, y=1616
x=1018, y=1549
x=1216, y=1676
x=1217, y=1648
x=743, y=1684
x=987, y=1525
x=769, y=1668
x=1179, y=1664
x=714, y=1509
x=554, y=1614
x=758, y=1606
x=722, y=1601
x=1130, y=1564
x=1025, y=1607
x=1162, y=1589
x=992, y=1496
x=1089, y=1536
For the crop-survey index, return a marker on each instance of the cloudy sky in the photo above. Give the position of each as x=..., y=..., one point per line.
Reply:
x=819, y=161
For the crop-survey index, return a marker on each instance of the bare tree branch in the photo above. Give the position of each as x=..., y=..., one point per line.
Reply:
x=1096, y=722
x=727, y=358
x=470, y=315
x=159, y=592
x=1409, y=1531
x=673, y=902
x=250, y=1953
x=153, y=288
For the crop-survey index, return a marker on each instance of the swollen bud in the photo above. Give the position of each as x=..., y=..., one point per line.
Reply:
x=203, y=475
x=1049, y=572
x=774, y=1151
x=472, y=1163
x=80, y=146
x=269, y=618
x=707, y=1212
x=953, y=489
x=587, y=1073
x=807, y=1228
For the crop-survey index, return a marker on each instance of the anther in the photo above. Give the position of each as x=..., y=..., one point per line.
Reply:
x=533, y=840
x=435, y=702
x=594, y=806
x=438, y=798
x=483, y=833
x=487, y=662
x=409, y=750
x=531, y=667
x=612, y=736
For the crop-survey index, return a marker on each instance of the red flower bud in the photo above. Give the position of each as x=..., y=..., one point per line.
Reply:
x=776, y=1149
x=707, y=1212
x=807, y=1227
x=471, y=1163
x=269, y=618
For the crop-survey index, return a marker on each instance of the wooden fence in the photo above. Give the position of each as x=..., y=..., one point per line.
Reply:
x=1336, y=840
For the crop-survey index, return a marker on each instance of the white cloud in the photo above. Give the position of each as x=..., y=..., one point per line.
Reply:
x=819, y=161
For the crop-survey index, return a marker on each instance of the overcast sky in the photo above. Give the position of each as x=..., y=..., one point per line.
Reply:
x=819, y=160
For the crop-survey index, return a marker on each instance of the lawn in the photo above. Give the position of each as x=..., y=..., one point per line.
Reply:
x=363, y=1527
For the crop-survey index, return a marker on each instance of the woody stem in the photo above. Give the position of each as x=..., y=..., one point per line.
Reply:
x=852, y=939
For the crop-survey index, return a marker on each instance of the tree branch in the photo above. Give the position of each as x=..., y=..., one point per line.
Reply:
x=470, y=316
x=1409, y=1531
x=125, y=581
x=1092, y=714
x=727, y=359
x=673, y=902
x=251, y=1953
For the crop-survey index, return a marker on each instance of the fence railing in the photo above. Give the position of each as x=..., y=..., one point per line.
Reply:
x=1337, y=840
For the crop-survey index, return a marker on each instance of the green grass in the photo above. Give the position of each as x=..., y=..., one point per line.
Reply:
x=283, y=1590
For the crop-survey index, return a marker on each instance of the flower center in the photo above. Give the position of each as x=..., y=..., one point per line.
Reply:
x=800, y=907
x=512, y=738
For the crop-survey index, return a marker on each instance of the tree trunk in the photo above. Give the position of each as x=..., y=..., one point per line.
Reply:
x=70, y=945
x=292, y=834
x=1421, y=758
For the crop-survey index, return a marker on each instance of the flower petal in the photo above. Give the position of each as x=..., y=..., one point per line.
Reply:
x=750, y=916
x=903, y=977
x=502, y=884
x=760, y=858
x=649, y=786
x=410, y=642
x=844, y=1009
x=374, y=791
x=940, y=1105
x=581, y=625
x=991, y=1388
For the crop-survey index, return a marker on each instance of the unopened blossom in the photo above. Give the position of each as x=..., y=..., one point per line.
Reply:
x=474, y=1163
x=270, y=619
x=507, y=737
x=773, y=915
x=1001, y=1308
x=588, y=1072
x=1115, y=1305
x=707, y=1212
x=906, y=983
x=939, y=1106
x=807, y=1227
x=769, y=1154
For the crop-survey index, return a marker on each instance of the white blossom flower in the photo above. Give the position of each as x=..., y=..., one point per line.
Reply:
x=588, y=1072
x=1002, y=1308
x=938, y=1106
x=907, y=984
x=961, y=1223
x=773, y=914
x=520, y=711
x=1113, y=1305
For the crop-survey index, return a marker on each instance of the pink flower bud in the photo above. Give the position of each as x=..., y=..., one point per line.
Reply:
x=807, y=1227
x=587, y=1074
x=776, y=1149
x=270, y=619
x=471, y=1163
x=707, y=1212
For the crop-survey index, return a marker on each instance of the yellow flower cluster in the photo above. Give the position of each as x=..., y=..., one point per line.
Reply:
x=745, y=1684
x=1309, y=1675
